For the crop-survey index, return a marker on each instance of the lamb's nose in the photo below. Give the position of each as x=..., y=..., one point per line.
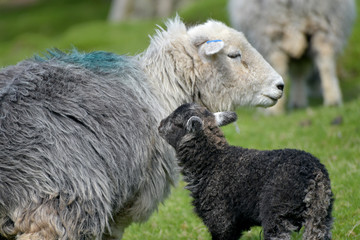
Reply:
x=280, y=86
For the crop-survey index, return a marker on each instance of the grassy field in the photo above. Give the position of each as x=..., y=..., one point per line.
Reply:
x=331, y=134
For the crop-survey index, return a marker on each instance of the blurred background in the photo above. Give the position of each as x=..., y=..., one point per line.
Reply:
x=29, y=27
x=122, y=26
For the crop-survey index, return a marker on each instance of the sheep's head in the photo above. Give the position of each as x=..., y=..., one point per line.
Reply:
x=232, y=72
x=190, y=120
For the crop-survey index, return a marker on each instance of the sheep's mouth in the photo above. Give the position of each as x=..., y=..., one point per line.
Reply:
x=274, y=99
x=271, y=100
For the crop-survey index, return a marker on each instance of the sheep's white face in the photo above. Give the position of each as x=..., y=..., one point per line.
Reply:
x=232, y=73
x=190, y=119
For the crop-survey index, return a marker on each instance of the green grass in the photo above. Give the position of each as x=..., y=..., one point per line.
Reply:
x=82, y=23
x=49, y=17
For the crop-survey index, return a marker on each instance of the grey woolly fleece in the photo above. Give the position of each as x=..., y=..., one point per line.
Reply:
x=74, y=136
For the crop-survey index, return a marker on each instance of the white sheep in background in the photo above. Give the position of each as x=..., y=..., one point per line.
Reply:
x=80, y=154
x=236, y=188
x=296, y=35
x=124, y=9
x=142, y=9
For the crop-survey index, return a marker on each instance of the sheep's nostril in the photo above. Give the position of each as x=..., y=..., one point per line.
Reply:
x=280, y=86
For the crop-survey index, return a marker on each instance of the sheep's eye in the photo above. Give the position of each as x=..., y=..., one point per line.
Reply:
x=234, y=55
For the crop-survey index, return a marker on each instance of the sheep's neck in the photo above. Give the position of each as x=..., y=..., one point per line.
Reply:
x=170, y=92
x=173, y=85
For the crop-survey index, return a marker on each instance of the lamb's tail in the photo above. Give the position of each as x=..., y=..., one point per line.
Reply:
x=319, y=201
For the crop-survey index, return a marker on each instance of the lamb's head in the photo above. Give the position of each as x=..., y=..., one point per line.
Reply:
x=232, y=73
x=191, y=120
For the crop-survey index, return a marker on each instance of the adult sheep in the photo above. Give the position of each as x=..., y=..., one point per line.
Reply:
x=80, y=155
x=235, y=188
x=296, y=36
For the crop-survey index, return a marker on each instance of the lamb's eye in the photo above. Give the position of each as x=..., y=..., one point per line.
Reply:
x=178, y=125
x=234, y=55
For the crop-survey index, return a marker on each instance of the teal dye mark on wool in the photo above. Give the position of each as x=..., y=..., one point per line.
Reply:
x=97, y=61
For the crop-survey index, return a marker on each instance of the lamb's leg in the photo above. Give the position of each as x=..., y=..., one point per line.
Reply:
x=220, y=230
x=221, y=223
x=318, y=200
x=276, y=228
x=225, y=234
x=280, y=236
x=277, y=211
x=316, y=229
x=326, y=63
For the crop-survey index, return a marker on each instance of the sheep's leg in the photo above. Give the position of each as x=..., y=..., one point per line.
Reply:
x=36, y=233
x=326, y=63
x=279, y=60
x=164, y=7
x=119, y=10
x=116, y=234
x=34, y=236
x=299, y=73
x=37, y=222
x=117, y=230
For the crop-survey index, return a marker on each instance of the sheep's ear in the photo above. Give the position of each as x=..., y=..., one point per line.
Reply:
x=224, y=118
x=194, y=124
x=210, y=48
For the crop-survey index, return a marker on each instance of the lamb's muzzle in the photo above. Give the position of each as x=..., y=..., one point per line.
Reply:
x=224, y=118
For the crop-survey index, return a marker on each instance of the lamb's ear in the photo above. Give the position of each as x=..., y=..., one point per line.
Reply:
x=210, y=48
x=194, y=124
x=224, y=118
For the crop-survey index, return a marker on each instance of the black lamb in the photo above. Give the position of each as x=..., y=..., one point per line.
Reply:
x=235, y=188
